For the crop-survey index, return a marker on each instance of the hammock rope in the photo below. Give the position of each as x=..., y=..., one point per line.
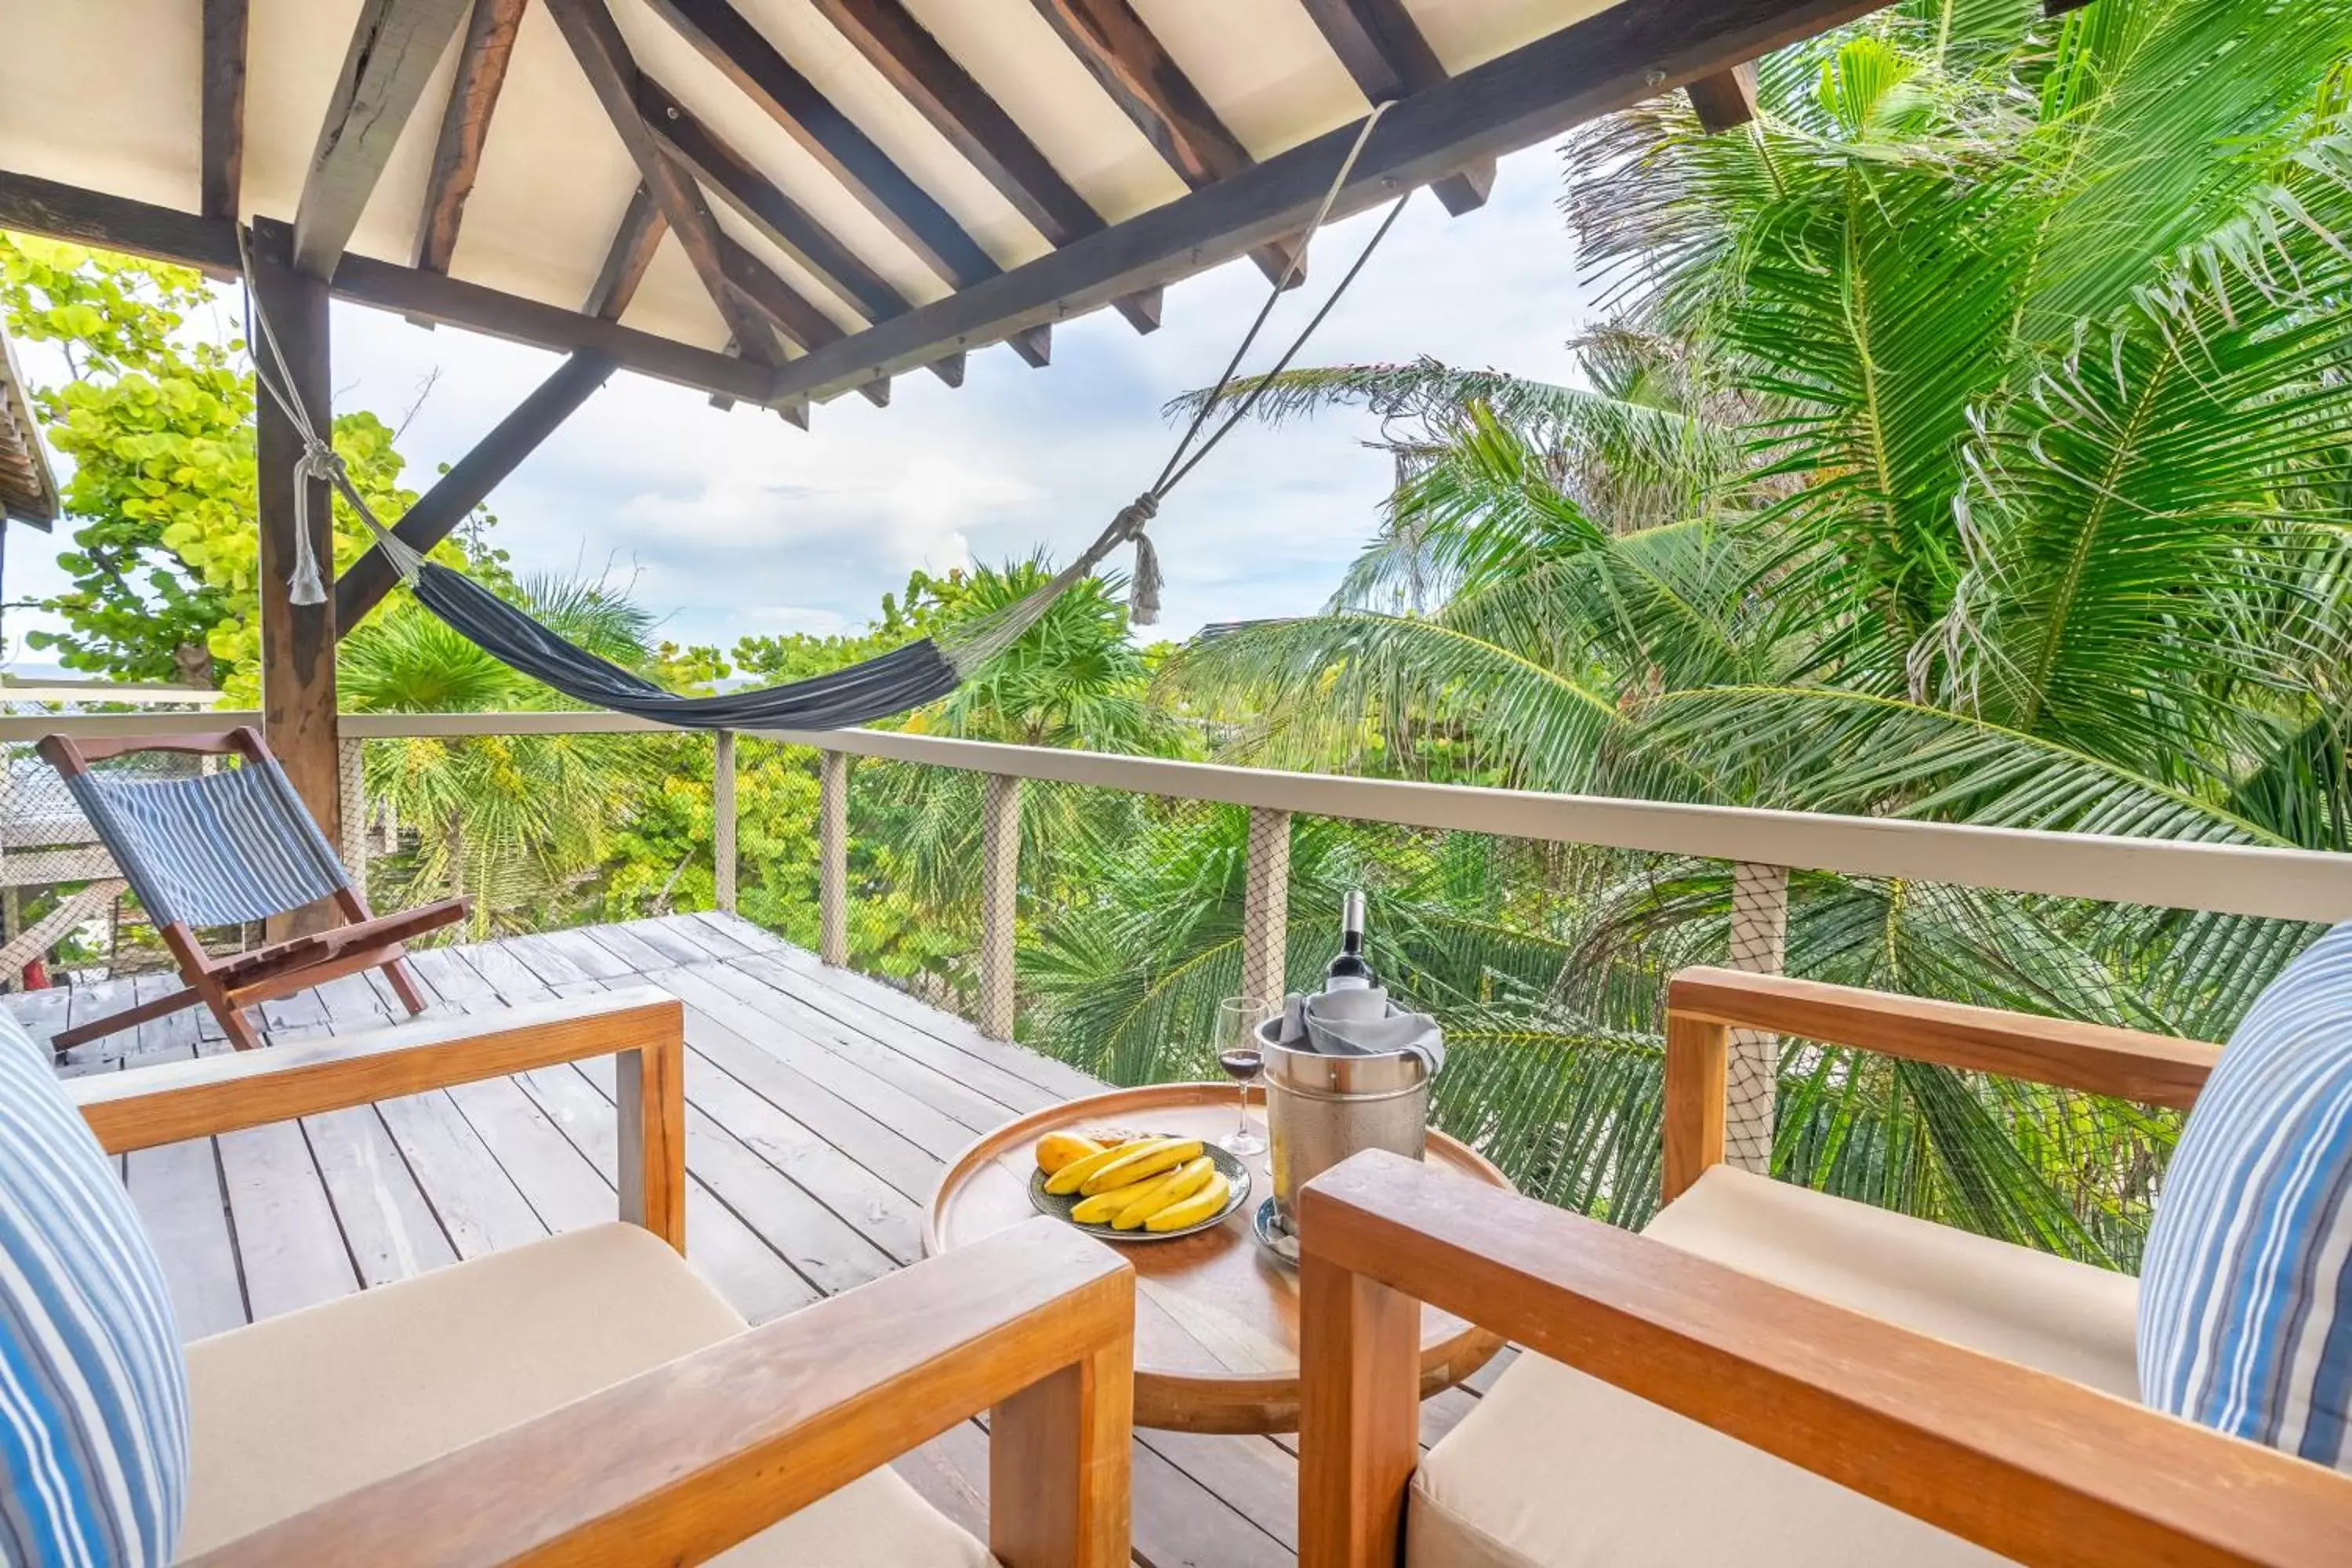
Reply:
x=904, y=678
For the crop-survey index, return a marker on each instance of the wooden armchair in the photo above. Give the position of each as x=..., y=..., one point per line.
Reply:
x=1674, y=1370
x=649, y=1424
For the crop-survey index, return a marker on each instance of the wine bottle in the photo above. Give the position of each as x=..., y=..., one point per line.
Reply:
x=1351, y=971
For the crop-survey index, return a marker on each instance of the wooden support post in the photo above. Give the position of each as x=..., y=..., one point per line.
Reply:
x=1000, y=883
x=1360, y=1408
x=832, y=856
x=298, y=641
x=1058, y=1466
x=651, y=1103
x=1265, y=906
x=1759, y=935
x=722, y=819
x=1697, y=1052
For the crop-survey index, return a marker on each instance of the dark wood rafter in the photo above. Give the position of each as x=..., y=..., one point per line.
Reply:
x=394, y=47
x=1725, y=100
x=596, y=43
x=299, y=713
x=468, y=483
x=919, y=68
x=1383, y=49
x=626, y=258
x=1112, y=42
x=465, y=127
x=1611, y=60
x=755, y=198
x=209, y=245
x=792, y=312
x=223, y=130
x=743, y=54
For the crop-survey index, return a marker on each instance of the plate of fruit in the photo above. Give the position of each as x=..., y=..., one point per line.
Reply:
x=1147, y=1187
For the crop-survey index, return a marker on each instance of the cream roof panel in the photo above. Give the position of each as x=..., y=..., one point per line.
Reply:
x=554, y=178
x=1019, y=61
x=671, y=303
x=1466, y=33
x=294, y=52
x=104, y=94
x=395, y=211
x=841, y=312
x=1262, y=63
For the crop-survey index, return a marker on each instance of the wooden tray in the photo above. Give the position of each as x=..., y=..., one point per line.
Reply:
x=1217, y=1332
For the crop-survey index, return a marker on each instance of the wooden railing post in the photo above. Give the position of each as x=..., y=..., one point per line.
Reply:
x=832, y=856
x=999, y=882
x=1265, y=906
x=722, y=820
x=1760, y=938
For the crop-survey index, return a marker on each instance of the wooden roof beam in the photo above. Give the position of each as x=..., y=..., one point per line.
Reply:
x=209, y=245
x=1112, y=41
x=223, y=91
x=469, y=482
x=923, y=73
x=465, y=126
x=392, y=52
x=1607, y=61
x=596, y=43
x=792, y=312
x=744, y=54
x=758, y=200
x=1725, y=100
x=1384, y=50
x=626, y=258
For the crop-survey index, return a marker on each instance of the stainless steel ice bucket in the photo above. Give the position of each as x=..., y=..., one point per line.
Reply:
x=1319, y=1109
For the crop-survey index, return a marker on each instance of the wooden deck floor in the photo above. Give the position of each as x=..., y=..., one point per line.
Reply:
x=823, y=1107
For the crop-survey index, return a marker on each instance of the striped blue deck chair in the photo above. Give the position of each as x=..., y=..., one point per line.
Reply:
x=223, y=849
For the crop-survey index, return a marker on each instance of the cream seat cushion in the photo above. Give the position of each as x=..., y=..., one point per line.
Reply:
x=291, y=1412
x=1555, y=1469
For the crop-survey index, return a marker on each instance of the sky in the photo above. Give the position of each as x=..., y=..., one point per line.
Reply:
x=728, y=523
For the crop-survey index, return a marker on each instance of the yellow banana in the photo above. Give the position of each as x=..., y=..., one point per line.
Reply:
x=1146, y=1160
x=1202, y=1204
x=1068, y=1178
x=1100, y=1209
x=1152, y=1197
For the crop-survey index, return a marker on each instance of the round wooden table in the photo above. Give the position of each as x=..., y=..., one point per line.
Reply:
x=1217, y=1332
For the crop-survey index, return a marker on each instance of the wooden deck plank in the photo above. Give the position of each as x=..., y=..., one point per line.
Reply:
x=743, y=1268
x=448, y=977
x=170, y=1037
x=562, y=1187
x=592, y=958
x=936, y=1133
x=939, y=1090
x=713, y=935
x=658, y=938
x=636, y=955
x=287, y=1240
x=178, y=1191
x=543, y=959
x=389, y=1228
x=86, y=1004
x=480, y=1209
x=502, y=971
x=305, y=1012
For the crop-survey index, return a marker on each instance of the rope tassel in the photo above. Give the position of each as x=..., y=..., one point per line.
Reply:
x=318, y=461
x=1143, y=593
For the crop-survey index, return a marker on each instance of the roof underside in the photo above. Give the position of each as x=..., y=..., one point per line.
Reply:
x=27, y=492
x=827, y=192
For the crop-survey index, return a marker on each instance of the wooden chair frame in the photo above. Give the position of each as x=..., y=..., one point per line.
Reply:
x=229, y=985
x=678, y=1464
x=2019, y=1461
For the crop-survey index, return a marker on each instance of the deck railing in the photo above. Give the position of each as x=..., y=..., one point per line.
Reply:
x=1763, y=847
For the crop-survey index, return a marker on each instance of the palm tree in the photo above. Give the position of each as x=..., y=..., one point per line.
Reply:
x=1970, y=442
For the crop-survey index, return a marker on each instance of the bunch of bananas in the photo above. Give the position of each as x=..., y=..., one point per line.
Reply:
x=1142, y=1183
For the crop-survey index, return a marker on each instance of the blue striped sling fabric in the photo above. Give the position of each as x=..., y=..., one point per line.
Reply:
x=93, y=1395
x=225, y=847
x=2245, y=1313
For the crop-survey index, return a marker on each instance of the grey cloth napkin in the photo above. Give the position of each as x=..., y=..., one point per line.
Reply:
x=1360, y=1023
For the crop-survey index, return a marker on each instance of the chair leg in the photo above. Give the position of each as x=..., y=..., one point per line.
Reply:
x=234, y=1024
x=403, y=986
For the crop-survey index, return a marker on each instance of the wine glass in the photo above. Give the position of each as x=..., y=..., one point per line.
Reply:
x=1237, y=1052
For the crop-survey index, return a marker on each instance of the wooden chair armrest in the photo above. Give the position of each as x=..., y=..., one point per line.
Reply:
x=1704, y=1005
x=683, y=1461
x=643, y=1028
x=2023, y=1463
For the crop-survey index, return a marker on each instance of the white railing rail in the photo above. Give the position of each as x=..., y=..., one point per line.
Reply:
x=1762, y=846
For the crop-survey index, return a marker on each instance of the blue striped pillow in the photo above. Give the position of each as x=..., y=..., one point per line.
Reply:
x=93, y=1395
x=2245, y=1306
